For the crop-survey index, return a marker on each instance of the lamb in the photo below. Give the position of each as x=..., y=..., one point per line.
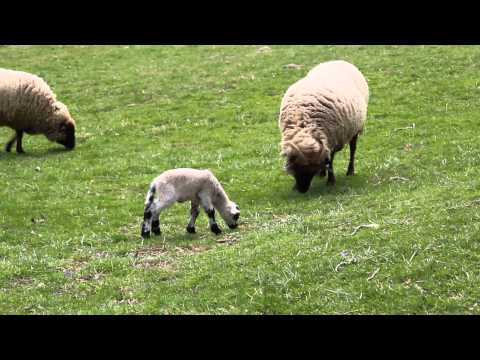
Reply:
x=319, y=115
x=200, y=187
x=28, y=105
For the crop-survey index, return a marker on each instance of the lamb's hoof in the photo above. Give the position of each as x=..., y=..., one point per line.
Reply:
x=145, y=235
x=20, y=152
x=156, y=232
x=156, y=227
x=215, y=229
x=350, y=173
x=191, y=230
x=233, y=226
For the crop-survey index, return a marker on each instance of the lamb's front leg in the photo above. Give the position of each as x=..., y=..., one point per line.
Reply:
x=208, y=207
x=194, y=212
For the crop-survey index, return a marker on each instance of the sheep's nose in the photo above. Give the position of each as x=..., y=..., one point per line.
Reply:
x=236, y=216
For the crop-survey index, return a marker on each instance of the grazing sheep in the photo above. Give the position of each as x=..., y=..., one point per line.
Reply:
x=27, y=104
x=200, y=187
x=320, y=114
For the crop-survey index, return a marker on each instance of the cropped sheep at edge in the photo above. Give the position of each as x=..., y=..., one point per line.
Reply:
x=319, y=114
x=27, y=104
x=200, y=187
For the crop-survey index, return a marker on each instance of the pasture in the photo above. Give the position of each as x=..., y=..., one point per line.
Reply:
x=70, y=221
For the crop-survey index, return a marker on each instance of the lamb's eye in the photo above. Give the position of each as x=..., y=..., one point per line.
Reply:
x=236, y=206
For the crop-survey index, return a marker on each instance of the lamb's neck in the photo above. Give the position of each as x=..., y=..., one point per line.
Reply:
x=220, y=199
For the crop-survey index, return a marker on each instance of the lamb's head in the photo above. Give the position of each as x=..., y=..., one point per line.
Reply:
x=61, y=126
x=305, y=158
x=230, y=213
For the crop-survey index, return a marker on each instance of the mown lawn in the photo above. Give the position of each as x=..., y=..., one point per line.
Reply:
x=70, y=221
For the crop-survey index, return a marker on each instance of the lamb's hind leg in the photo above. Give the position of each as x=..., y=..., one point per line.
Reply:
x=151, y=217
x=353, y=148
x=194, y=212
x=208, y=207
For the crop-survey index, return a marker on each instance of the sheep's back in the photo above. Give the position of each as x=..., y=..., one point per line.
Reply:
x=25, y=99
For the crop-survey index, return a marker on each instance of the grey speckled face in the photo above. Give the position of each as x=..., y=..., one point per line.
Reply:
x=235, y=215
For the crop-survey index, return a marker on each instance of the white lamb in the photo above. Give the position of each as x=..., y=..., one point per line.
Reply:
x=200, y=187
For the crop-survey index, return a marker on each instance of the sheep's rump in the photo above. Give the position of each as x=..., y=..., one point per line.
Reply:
x=24, y=99
x=333, y=97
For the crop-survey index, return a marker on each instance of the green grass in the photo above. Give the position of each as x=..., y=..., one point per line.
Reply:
x=70, y=221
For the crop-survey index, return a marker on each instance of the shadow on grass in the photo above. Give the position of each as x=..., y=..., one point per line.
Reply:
x=203, y=237
x=319, y=187
x=33, y=154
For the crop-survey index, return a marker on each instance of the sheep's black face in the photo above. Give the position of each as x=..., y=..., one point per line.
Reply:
x=303, y=175
x=68, y=135
x=303, y=181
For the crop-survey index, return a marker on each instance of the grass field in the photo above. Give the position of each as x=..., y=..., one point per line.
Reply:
x=70, y=221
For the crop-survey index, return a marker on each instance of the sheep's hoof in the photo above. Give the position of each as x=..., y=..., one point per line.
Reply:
x=215, y=229
x=156, y=231
x=191, y=230
x=145, y=234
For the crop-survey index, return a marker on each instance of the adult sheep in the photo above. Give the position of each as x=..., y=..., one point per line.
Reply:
x=320, y=114
x=28, y=105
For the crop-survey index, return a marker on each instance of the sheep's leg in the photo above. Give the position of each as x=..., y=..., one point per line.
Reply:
x=147, y=222
x=331, y=176
x=194, y=212
x=353, y=148
x=10, y=143
x=147, y=213
x=19, y=142
x=157, y=208
x=151, y=214
x=208, y=207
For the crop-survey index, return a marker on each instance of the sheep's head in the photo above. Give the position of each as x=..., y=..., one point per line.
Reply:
x=230, y=213
x=305, y=159
x=61, y=127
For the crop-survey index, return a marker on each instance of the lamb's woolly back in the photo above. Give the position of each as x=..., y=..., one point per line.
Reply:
x=24, y=98
x=188, y=182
